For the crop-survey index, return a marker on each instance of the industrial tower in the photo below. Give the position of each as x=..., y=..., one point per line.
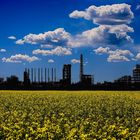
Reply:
x=81, y=67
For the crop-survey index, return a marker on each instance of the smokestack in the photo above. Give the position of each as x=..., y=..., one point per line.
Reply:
x=39, y=75
x=32, y=74
x=48, y=75
x=81, y=67
x=55, y=74
x=29, y=73
x=35, y=75
x=45, y=75
x=52, y=74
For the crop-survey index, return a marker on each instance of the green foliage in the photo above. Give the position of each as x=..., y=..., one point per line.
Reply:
x=83, y=115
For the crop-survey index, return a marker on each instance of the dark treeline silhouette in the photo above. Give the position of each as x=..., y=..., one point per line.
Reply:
x=46, y=79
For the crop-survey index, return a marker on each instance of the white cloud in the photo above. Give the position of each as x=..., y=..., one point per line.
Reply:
x=50, y=61
x=12, y=37
x=107, y=50
x=138, y=56
x=117, y=55
x=74, y=61
x=2, y=50
x=112, y=31
x=18, y=58
x=20, y=42
x=46, y=46
x=138, y=7
x=121, y=52
x=56, y=51
x=117, y=58
x=58, y=37
x=102, y=50
x=106, y=15
x=103, y=35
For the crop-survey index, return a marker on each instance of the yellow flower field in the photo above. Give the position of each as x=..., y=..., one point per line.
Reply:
x=69, y=115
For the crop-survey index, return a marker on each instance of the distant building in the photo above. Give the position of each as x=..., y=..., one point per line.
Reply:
x=136, y=74
x=67, y=74
x=86, y=80
x=81, y=68
x=26, y=77
x=12, y=81
x=1, y=80
x=124, y=79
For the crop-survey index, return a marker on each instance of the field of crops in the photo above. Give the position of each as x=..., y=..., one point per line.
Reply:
x=85, y=115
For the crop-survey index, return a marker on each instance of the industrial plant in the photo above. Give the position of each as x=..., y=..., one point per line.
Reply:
x=46, y=79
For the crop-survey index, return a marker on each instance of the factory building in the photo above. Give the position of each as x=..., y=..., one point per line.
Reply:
x=124, y=79
x=26, y=77
x=67, y=74
x=136, y=74
x=85, y=79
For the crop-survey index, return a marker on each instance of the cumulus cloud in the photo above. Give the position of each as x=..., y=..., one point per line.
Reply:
x=138, y=7
x=103, y=35
x=115, y=14
x=18, y=58
x=117, y=58
x=50, y=61
x=20, y=42
x=112, y=29
x=137, y=56
x=117, y=55
x=58, y=37
x=107, y=50
x=102, y=50
x=46, y=46
x=121, y=52
x=2, y=50
x=12, y=37
x=74, y=61
x=59, y=51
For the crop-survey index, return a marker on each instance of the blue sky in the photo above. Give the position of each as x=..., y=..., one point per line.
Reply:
x=50, y=33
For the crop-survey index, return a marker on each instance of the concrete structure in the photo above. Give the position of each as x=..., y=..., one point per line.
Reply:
x=124, y=79
x=26, y=77
x=67, y=74
x=81, y=67
x=136, y=74
x=85, y=79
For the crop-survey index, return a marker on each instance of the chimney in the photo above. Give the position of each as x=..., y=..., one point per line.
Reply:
x=55, y=74
x=52, y=74
x=32, y=74
x=81, y=67
x=45, y=75
x=39, y=75
x=48, y=75
x=35, y=75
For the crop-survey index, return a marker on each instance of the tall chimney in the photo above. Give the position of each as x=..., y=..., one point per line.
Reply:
x=32, y=74
x=48, y=75
x=39, y=75
x=28, y=73
x=35, y=75
x=45, y=75
x=52, y=74
x=55, y=74
x=81, y=67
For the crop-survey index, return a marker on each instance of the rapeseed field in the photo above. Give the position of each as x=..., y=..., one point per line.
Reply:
x=69, y=115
